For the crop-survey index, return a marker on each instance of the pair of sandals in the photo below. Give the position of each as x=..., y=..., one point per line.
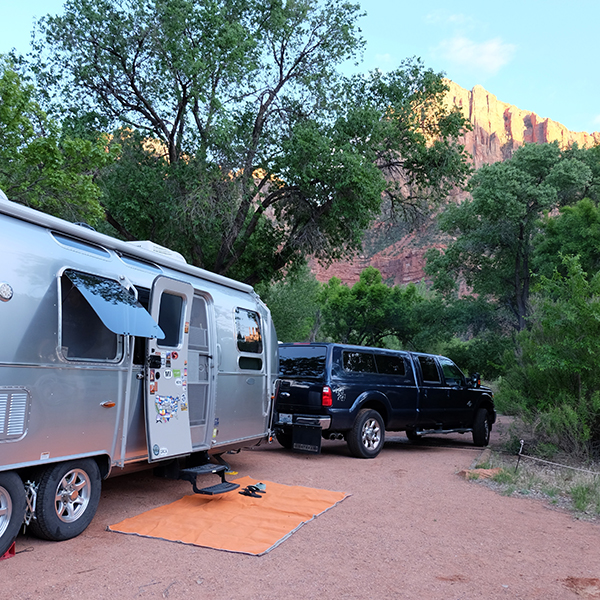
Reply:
x=254, y=491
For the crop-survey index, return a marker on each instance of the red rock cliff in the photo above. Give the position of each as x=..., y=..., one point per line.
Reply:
x=498, y=130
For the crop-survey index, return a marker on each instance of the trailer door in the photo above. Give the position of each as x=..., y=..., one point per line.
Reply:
x=167, y=410
x=200, y=373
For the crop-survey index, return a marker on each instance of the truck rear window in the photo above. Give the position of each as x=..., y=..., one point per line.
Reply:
x=302, y=361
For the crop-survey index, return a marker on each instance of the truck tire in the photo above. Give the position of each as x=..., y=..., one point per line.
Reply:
x=366, y=438
x=12, y=509
x=481, y=428
x=284, y=437
x=67, y=499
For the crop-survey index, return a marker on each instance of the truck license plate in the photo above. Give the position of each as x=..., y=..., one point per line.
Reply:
x=285, y=419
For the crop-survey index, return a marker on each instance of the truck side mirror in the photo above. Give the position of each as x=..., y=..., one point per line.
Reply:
x=475, y=380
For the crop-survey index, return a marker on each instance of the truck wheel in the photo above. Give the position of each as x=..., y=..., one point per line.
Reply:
x=481, y=428
x=12, y=509
x=365, y=439
x=67, y=499
x=285, y=438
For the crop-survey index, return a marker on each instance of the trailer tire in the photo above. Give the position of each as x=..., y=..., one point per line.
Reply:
x=12, y=509
x=366, y=438
x=67, y=499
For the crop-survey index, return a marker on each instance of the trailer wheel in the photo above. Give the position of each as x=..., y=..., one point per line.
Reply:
x=67, y=499
x=365, y=439
x=12, y=509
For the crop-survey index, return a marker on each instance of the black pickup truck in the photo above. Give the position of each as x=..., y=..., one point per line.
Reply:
x=336, y=391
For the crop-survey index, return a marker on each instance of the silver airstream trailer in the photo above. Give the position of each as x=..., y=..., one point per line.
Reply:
x=116, y=356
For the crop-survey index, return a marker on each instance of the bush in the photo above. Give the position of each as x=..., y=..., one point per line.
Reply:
x=553, y=382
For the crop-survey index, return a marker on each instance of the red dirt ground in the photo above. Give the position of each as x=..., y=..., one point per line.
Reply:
x=412, y=529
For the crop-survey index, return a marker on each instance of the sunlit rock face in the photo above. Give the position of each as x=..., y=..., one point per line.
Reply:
x=498, y=130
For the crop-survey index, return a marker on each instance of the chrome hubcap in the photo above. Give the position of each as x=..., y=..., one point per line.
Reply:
x=5, y=510
x=371, y=434
x=72, y=495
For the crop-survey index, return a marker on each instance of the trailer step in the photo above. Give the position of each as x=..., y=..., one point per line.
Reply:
x=191, y=473
x=204, y=469
x=220, y=488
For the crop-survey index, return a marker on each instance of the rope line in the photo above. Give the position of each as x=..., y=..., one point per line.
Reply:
x=521, y=455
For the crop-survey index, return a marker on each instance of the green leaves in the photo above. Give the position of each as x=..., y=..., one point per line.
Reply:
x=369, y=311
x=575, y=232
x=494, y=231
x=555, y=377
x=270, y=154
x=39, y=166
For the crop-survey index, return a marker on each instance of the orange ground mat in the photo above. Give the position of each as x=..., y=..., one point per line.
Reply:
x=234, y=522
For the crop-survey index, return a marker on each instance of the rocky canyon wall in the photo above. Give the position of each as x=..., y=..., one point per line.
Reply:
x=498, y=130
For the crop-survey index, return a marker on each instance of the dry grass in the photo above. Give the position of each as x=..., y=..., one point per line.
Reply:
x=557, y=486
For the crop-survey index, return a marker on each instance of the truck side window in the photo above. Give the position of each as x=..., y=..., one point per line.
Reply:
x=390, y=365
x=83, y=334
x=247, y=325
x=359, y=362
x=452, y=374
x=429, y=369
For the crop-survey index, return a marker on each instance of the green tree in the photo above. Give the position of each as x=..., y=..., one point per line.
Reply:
x=40, y=166
x=268, y=153
x=575, y=232
x=554, y=380
x=493, y=232
x=368, y=312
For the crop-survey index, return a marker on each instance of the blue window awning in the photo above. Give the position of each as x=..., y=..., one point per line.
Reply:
x=117, y=307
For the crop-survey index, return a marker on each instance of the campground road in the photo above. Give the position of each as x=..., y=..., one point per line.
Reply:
x=411, y=529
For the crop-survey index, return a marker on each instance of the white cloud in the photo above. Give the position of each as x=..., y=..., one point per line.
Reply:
x=596, y=120
x=486, y=57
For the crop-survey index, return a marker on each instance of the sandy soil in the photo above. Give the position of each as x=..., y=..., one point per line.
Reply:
x=411, y=529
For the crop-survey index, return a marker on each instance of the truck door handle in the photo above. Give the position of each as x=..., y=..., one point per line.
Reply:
x=107, y=404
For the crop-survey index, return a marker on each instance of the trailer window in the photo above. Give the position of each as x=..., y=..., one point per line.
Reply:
x=250, y=363
x=247, y=324
x=169, y=319
x=115, y=305
x=84, y=335
x=80, y=245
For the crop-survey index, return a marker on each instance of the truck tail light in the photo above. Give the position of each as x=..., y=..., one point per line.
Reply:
x=326, y=396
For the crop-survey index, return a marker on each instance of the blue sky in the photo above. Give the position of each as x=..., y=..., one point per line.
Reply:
x=540, y=55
